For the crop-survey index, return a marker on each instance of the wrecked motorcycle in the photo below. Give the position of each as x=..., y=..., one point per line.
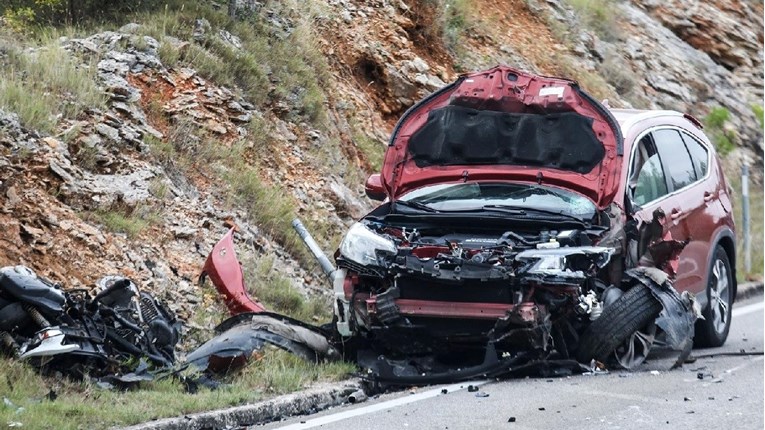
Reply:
x=74, y=333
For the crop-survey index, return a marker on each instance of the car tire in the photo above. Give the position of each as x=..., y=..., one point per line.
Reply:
x=633, y=311
x=713, y=330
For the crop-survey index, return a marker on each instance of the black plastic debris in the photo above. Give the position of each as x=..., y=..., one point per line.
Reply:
x=511, y=420
x=241, y=336
x=472, y=388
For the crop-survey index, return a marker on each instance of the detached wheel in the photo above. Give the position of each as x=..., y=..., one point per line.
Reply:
x=625, y=328
x=713, y=330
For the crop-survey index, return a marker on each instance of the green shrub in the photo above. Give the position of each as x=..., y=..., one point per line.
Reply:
x=758, y=113
x=130, y=221
x=602, y=16
x=723, y=139
x=616, y=72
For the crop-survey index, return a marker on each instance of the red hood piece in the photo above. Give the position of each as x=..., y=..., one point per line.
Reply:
x=506, y=125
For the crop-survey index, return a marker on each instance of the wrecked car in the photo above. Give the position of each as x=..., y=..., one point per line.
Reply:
x=523, y=222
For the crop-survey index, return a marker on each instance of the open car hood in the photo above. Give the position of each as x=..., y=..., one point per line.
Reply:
x=504, y=124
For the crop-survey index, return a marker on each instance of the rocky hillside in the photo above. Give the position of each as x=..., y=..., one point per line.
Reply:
x=196, y=123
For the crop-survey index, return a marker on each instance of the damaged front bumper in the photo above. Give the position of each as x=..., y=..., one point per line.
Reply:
x=429, y=316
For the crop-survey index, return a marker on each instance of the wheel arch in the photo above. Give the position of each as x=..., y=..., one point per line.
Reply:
x=726, y=239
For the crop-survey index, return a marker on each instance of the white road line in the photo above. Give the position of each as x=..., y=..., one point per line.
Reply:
x=748, y=309
x=327, y=419
x=741, y=366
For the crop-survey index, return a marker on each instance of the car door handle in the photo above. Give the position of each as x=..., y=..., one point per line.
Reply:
x=708, y=197
x=676, y=213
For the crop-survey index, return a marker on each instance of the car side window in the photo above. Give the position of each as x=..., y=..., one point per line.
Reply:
x=699, y=155
x=647, y=180
x=674, y=157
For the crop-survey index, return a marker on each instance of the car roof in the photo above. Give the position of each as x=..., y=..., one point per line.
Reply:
x=627, y=118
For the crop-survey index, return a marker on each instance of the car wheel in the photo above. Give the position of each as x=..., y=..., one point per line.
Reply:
x=618, y=326
x=713, y=330
x=633, y=351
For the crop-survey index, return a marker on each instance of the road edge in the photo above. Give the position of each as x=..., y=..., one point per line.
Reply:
x=305, y=402
x=746, y=290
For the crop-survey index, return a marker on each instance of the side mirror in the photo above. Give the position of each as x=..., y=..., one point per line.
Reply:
x=374, y=188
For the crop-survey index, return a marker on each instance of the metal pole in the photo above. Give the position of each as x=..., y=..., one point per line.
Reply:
x=321, y=257
x=745, y=217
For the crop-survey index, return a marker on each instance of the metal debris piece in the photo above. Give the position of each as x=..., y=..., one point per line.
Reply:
x=241, y=336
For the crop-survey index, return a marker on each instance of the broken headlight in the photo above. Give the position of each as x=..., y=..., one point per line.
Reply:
x=361, y=244
x=569, y=260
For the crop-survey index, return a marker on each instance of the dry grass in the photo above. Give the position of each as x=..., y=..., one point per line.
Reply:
x=757, y=230
x=83, y=405
x=602, y=16
x=45, y=85
x=279, y=294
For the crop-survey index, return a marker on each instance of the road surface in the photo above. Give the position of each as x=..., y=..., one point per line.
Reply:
x=715, y=392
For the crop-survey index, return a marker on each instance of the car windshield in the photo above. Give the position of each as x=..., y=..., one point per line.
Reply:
x=479, y=196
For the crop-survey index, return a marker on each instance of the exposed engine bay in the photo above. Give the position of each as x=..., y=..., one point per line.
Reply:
x=428, y=294
x=513, y=285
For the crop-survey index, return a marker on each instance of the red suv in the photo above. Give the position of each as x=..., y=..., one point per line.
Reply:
x=526, y=224
x=522, y=218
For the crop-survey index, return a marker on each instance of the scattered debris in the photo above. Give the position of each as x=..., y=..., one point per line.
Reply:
x=357, y=396
x=241, y=336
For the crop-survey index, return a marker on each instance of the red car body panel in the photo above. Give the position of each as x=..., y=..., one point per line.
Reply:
x=225, y=272
x=505, y=89
x=700, y=213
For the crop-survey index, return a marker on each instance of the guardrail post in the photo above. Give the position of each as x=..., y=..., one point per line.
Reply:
x=745, y=218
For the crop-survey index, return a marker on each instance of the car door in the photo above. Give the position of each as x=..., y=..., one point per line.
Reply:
x=649, y=188
x=705, y=209
x=685, y=206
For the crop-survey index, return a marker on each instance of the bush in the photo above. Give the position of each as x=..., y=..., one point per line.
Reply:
x=758, y=113
x=723, y=139
x=616, y=72
x=22, y=15
x=601, y=16
x=279, y=294
x=130, y=221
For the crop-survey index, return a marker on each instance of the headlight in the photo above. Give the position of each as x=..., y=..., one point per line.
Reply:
x=573, y=261
x=360, y=245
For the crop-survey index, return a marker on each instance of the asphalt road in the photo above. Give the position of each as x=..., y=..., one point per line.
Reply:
x=720, y=392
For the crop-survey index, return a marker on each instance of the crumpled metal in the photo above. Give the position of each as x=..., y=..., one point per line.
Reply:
x=243, y=335
x=679, y=311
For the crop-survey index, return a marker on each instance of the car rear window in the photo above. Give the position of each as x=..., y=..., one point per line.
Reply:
x=699, y=155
